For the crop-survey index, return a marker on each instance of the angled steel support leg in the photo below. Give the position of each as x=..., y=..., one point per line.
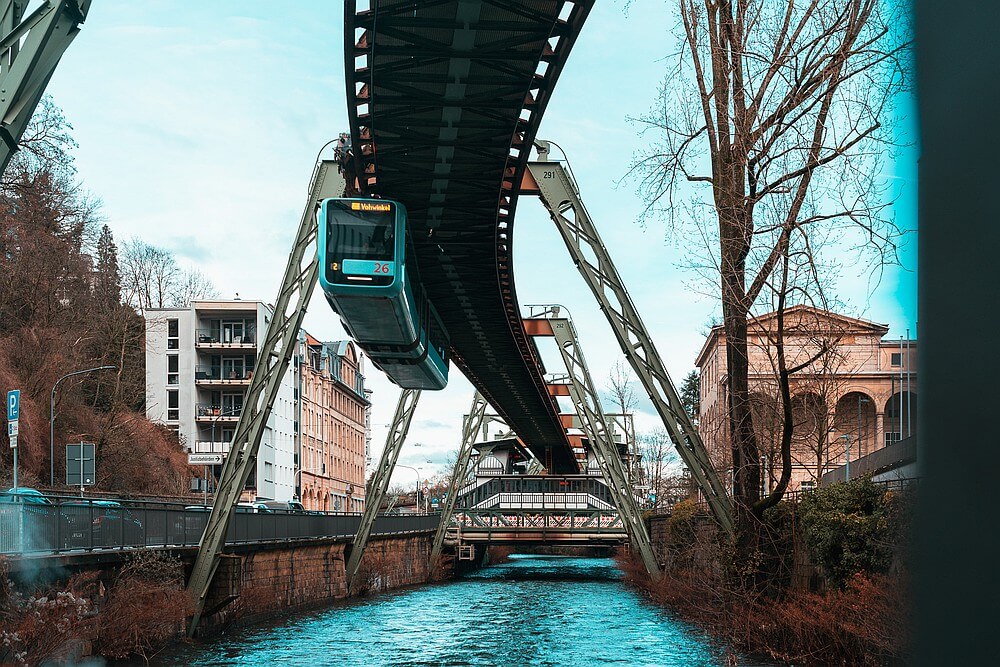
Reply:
x=587, y=403
x=30, y=50
x=470, y=430
x=380, y=480
x=272, y=362
x=560, y=195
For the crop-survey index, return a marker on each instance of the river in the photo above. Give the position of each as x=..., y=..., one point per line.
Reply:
x=531, y=610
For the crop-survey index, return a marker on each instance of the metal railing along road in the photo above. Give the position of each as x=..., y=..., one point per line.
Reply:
x=66, y=525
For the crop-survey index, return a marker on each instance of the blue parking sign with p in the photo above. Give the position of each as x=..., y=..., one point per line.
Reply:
x=13, y=404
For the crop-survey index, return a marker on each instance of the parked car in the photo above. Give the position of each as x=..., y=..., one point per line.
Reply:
x=285, y=505
x=26, y=520
x=23, y=494
x=99, y=524
x=116, y=526
x=252, y=508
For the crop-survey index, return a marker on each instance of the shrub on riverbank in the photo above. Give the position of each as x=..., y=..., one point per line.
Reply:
x=845, y=542
x=137, y=614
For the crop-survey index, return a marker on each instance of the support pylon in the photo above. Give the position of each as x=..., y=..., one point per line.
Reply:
x=587, y=404
x=405, y=408
x=470, y=430
x=272, y=363
x=560, y=195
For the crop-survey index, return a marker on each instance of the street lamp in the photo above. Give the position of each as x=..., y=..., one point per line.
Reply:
x=861, y=400
x=847, y=447
x=52, y=417
x=416, y=497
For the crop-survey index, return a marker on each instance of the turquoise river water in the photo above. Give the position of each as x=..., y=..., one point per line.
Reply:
x=531, y=610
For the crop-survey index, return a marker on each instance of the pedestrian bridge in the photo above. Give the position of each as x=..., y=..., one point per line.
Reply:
x=538, y=509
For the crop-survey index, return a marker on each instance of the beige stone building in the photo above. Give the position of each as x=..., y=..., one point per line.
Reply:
x=334, y=410
x=855, y=391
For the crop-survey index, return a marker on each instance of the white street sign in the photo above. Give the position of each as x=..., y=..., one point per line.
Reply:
x=12, y=429
x=204, y=459
x=13, y=442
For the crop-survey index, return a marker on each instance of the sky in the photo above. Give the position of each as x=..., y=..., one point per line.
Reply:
x=198, y=125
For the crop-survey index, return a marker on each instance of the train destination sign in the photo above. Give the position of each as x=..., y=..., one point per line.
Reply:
x=370, y=206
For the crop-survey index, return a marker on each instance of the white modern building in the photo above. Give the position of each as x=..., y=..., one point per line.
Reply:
x=199, y=361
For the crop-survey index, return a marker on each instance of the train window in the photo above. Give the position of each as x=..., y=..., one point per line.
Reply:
x=367, y=234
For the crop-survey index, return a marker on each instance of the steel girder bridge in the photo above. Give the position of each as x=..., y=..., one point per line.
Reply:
x=445, y=98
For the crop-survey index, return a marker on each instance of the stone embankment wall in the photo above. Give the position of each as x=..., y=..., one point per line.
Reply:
x=302, y=575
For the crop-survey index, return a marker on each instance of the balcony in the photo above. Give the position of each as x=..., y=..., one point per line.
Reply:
x=216, y=339
x=210, y=447
x=207, y=413
x=207, y=376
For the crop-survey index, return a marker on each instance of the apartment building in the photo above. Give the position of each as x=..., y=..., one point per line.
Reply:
x=334, y=425
x=199, y=362
x=855, y=393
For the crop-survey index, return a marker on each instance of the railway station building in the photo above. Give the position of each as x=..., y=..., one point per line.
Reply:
x=856, y=393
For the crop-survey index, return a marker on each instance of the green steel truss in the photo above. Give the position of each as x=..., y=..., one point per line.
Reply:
x=272, y=361
x=561, y=196
x=587, y=404
x=30, y=50
x=470, y=429
x=405, y=408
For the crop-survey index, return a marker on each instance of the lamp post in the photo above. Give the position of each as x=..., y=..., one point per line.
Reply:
x=416, y=497
x=847, y=448
x=864, y=400
x=52, y=417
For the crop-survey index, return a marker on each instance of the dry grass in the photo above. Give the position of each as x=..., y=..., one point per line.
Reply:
x=136, y=616
x=863, y=624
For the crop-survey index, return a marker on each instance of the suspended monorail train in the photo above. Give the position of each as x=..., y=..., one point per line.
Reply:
x=370, y=278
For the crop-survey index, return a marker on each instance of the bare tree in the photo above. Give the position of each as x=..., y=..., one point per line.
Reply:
x=781, y=113
x=619, y=388
x=191, y=285
x=151, y=278
x=658, y=460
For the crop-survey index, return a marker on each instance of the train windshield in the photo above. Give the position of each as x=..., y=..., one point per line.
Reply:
x=361, y=230
x=360, y=242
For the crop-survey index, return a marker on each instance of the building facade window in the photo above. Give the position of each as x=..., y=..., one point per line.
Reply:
x=173, y=376
x=173, y=411
x=173, y=335
x=896, y=359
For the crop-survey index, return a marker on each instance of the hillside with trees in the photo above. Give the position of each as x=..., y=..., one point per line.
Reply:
x=68, y=301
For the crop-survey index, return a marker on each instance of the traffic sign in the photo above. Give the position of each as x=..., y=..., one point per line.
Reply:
x=13, y=442
x=204, y=459
x=12, y=429
x=80, y=464
x=13, y=405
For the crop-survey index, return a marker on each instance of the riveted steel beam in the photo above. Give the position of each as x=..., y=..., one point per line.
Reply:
x=561, y=197
x=470, y=430
x=587, y=404
x=272, y=361
x=29, y=52
x=405, y=408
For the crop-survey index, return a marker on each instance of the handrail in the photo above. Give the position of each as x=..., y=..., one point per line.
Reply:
x=73, y=524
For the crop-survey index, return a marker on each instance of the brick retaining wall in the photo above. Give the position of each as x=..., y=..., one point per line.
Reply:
x=304, y=575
